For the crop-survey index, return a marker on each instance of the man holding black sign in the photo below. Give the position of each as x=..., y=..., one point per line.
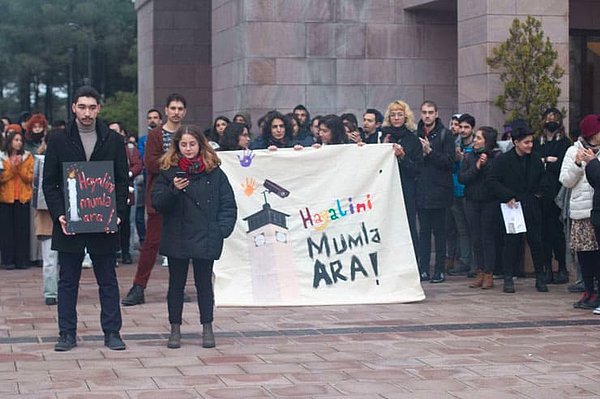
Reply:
x=86, y=140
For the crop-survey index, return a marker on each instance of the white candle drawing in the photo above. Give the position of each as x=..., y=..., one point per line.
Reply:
x=72, y=190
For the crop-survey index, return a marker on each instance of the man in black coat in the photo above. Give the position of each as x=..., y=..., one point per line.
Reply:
x=86, y=139
x=515, y=177
x=434, y=189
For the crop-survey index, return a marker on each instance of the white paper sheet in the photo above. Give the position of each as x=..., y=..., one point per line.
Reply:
x=514, y=221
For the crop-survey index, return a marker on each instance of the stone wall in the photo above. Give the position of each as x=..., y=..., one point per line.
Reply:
x=332, y=56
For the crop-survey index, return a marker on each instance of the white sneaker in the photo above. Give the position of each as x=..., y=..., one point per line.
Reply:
x=165, y=262
x=597, y=310
x=87, y=262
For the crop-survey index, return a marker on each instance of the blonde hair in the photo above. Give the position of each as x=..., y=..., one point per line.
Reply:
x=408, y=114
x=173, y=155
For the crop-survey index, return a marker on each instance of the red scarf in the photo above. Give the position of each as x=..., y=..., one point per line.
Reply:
x=192, y=166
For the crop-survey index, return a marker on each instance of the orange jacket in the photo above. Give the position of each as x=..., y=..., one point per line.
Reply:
x=23, y=173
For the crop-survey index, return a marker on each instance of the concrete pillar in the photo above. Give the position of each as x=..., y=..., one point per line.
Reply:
x=174, y=55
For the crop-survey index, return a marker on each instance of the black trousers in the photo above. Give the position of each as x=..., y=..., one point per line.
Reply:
x=125, y=230
x=14, y=234
x=410, y=203
x=178, y=271
x=553, y=235
x=512, y=252
x=432, y=220
x=483, y=218
x=68, y=289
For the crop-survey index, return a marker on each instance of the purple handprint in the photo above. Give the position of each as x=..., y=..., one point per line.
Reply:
x=246, y=158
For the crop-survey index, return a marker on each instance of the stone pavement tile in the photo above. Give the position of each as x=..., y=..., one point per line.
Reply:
x=13, y=357
x=8, y=387
x=444, y=361
x=134, y=372
x=550, y=379
x=509, y=359
x=350, y=355
x=557, y=391
x=299, y=357
x=92, y=395
x=257, y=368
x=506, y=393
x=186, y=381
x=164, y=393
x=422, y=335
x=48, y=365
x=418, y=395
x=434, y=385
x=437, y=373
x=211, y=370
x=326, y=339
x=7, y=366
x=574, y=367
x=497, y=382
x=232, y=359
x=174, y=361
x=38, y=395
x=389, y=375
x=324, y=376
x=58, y=375
x=337, y=365
x=80, y=353
x=592, y=387
x=133, y=351
x=235, y=393
x=118, y=384
x=504, y=369
x=249, y=349
x=304, y=390
x=363, y=387
x=254, y=379
x=41, y=386
x=109, y=363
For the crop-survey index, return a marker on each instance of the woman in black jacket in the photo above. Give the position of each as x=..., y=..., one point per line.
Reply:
x=199, y=211
x=482, y=207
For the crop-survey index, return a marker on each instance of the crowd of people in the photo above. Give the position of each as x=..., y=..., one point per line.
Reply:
x=454, y=180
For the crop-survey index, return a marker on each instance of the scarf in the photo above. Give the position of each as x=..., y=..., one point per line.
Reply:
x=193, y=166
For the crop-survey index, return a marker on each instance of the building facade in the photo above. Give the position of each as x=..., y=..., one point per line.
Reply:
x=338, y=56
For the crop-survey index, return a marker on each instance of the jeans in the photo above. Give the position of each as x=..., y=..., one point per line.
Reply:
x=458, y=213
x=178, y=271
x=50, y=268
x=432, y=220
x=68, y=289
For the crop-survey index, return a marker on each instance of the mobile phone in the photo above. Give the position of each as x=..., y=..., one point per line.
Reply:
x=181, y=175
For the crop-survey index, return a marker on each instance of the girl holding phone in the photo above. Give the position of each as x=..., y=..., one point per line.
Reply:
x=199, y=212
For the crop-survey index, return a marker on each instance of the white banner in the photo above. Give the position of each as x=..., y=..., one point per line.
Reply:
x=317, y=227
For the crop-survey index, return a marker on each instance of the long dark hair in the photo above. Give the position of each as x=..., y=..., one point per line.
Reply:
x=8, y=143
x=268, y=137
x=335, y=124
x=214, y=136
x=231, y=137
x=490, y=135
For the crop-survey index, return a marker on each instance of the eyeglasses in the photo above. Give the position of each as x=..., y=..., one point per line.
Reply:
x=397, y=114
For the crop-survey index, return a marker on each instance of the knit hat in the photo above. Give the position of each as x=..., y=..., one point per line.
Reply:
x=520, y=129
x=590, y=126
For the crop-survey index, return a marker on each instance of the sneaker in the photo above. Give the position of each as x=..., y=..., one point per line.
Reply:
x=50, y=301
x=597, y=310
x=66, y=341
x=135, y=296
x=424, y=276
x=577, y=287
x=165, y=262
x=587, y=301
x=87, y=261
x=438, y=277
x=113, y=341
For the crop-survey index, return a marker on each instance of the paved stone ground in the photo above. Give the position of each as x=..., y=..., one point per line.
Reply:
x=458, y=343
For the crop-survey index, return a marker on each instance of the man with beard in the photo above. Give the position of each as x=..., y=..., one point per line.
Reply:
x=434, y=189
x=159, y=140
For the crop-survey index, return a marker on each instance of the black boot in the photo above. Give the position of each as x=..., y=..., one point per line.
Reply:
x=562, y=277
x=509, y=285
x=135, y=296
x=540, y=282
x=208, y=338
x=175, y=337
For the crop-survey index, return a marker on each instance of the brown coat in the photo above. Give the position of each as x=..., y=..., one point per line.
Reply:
x=11, y=174
x=152, y=154
x=43, y=223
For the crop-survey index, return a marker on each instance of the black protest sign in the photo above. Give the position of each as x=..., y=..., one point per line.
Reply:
x=89, y=191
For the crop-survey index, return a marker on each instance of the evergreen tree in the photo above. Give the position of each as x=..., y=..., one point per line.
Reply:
x=528, y=71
